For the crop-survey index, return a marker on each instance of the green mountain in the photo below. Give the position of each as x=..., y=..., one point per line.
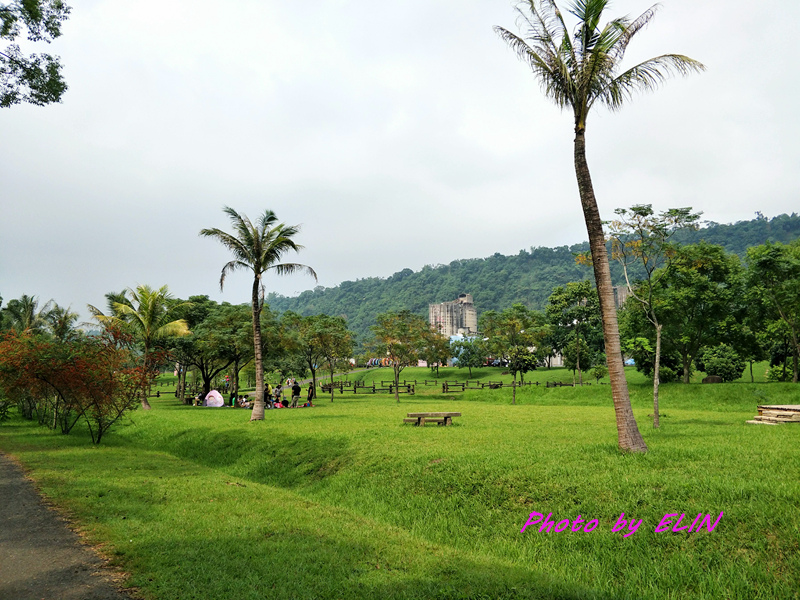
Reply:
x=496, y=282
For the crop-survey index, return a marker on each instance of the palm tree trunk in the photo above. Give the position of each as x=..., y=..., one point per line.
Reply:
x=629, y=437
x=258, y=405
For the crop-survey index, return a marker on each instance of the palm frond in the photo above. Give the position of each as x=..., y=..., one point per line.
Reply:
x=646, y=76
x=291, y=268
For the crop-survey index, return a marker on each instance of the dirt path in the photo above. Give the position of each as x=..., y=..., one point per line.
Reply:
x=40, y=557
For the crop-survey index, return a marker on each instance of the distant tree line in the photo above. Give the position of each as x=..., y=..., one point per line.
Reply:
x=499, y=281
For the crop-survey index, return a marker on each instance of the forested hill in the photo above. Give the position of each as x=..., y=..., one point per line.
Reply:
x=498, y=281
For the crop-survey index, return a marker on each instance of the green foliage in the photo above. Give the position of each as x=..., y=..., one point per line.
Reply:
x=402, y=337
x=721, y=360
x=469, y=352
x=599, y=371
x=30, y=78
x=575, y=351
x=776, y=374
x=774, y=274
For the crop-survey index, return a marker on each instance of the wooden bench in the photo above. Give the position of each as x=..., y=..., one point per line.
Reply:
x=440, y=418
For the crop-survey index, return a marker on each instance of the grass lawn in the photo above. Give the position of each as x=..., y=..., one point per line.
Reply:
x=344, y=501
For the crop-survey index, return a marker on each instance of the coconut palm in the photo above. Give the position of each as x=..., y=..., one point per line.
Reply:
x=147, y=314
x=576, y=71
x=24, y=315
x=258, y=248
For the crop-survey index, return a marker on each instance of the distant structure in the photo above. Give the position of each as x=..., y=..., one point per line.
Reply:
x=621, y=293
x=452, y=318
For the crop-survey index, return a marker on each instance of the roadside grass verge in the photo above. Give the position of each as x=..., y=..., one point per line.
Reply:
x=344, y=501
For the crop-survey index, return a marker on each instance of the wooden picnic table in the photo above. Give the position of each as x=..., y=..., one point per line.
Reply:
x=440, y=418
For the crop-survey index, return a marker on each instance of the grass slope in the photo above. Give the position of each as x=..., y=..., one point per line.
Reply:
x=344, y=501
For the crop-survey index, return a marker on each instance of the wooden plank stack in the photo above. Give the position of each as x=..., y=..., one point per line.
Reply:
x=775, y=414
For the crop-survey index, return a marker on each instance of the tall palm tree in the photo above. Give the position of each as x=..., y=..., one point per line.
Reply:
x=575, y=71
x=148, y=314
x=258, y=248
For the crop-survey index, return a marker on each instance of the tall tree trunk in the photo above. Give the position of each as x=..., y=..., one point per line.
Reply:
x=333, y=368
x=514, y=389
x=235, y=387
x=314, y=381
x=182, y=382
x=578, y=353
x=687, y=366
x=146, y=379
x=628, y=435
x=258, y=405
x=396, y=368
x=656, y=376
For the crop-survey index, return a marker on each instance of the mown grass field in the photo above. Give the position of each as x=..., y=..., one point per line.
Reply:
x=344, y=501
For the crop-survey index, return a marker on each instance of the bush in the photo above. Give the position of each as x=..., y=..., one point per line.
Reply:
x=5, y=406
x=778, y=373
x=722, y=361
x=667, y=375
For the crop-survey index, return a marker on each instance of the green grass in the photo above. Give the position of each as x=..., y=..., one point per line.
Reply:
x=344, y=501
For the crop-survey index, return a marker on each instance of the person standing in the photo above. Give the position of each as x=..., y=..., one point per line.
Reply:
x=267, y=395
x=295, y=394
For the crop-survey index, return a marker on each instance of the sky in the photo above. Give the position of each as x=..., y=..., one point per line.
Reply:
x=397, y=134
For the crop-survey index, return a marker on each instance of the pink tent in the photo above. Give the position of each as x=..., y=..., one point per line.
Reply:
x=214, y=398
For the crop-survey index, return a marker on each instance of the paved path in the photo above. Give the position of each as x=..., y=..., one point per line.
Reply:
x=40, y=557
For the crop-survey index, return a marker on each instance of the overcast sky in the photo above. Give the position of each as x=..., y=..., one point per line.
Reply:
x=398, y=134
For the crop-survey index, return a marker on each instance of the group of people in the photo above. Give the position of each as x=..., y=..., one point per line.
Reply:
x=273, y=396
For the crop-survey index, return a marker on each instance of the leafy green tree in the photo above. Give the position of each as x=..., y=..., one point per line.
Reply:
x=774, y=271
x=302, y=336
x=400, y=336
x=577, y=71
x=437, y=350
x=223, y=339
x=258, y=248
x=515, y=335
x=149, y=316
x=600, y=370
x=35, y=78
x=640, y=238
x=574, y=308
x=578, y=356
x=721, y=360
x=697, y=295
x=336, y=343
x=470, y=353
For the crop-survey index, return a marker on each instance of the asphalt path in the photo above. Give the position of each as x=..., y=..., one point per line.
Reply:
x=40, y=557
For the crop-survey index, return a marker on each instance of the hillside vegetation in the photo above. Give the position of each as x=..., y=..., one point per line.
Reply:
x=498, y=281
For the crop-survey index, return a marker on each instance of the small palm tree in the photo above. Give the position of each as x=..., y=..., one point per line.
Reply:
x=576, y=71
x=258, y=248
x=147, y=314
